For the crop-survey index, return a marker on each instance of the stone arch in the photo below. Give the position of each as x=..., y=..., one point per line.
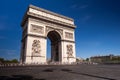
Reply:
x=59, y=31
x=55, y=39
x=37, y=25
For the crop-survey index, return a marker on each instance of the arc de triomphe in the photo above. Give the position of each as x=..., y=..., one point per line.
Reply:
x=39, y=24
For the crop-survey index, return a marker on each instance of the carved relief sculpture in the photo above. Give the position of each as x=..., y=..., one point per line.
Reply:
x=61, y=31
x=37, y=29
x=68, y=35
x=69, y=51
x=38, y=25
x=36, y=48
x=51, y=29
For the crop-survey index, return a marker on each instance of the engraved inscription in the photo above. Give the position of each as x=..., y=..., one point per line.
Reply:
x=68, y=35
x=37, y=29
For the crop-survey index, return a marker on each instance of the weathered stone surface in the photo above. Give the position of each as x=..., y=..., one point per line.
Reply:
x=38, y=24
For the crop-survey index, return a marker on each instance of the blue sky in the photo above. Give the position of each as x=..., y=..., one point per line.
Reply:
x=97, y=21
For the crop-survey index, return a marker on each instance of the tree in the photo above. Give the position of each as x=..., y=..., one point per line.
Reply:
x=1, y=60
x=87, y=59
x=14, y=61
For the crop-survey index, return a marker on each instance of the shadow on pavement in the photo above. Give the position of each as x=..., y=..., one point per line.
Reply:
x=67, y=70
x=19, y=77
x=49, y=70
x=70, y=71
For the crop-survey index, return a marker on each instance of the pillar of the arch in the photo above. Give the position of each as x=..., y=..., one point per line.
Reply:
x=55, y=52
x=65, y=57
x=52, y=52
x=59, y=51
x=30, y=58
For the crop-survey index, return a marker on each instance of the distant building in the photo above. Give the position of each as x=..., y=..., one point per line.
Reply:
x=105, y=59
x=78, y=59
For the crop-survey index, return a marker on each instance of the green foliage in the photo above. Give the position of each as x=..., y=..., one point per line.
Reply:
x=77, y=60
x=14, y=61
x=87, y=59
x=2, y=60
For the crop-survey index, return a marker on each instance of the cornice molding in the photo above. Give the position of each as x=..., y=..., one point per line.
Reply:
x=50, y=12
x=68, y=41
x=33, y=35
x=29, y=14
x=36, y=16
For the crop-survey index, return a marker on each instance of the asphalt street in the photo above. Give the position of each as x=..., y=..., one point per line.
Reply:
x=61, y=72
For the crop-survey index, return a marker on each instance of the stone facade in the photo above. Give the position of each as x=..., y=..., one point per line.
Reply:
x=37, y=25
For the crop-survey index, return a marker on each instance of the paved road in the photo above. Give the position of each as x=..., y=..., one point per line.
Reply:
x=73, y=72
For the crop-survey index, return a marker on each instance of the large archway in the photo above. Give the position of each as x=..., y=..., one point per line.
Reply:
x=55, y=40
x=38, y=25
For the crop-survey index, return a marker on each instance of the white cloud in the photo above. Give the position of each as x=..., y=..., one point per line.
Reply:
x=7, y=51
x=9, y=54
x=2, y=37
x=1, y=27
x=83, y=6
x=85, y=19
x=3, y=20
x=75, y=6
